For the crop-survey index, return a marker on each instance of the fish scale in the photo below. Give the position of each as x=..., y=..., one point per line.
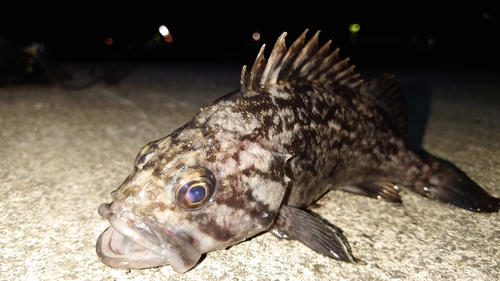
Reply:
x=302, y=123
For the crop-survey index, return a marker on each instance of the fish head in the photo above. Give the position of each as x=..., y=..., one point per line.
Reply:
x=189, y=195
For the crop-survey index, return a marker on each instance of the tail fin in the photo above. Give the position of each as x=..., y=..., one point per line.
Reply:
x=443, y=181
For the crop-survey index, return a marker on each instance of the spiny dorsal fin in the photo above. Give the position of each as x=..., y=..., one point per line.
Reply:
x=302, y=60
x=387, y=93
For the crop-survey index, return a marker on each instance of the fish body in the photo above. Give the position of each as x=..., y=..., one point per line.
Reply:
x=302, y=123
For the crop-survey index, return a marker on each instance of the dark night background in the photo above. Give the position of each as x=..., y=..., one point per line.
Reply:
x=465, y=35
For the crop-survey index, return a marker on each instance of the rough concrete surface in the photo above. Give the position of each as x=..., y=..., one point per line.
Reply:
x=62, y=152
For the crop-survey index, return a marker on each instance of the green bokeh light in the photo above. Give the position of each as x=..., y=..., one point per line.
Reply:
x=354, y=27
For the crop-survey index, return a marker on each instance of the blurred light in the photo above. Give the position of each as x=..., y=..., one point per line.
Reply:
x=156, y=37
x=486, y=15
x=163, y=30
x=33, y=50
x=165, y=33
x=431, y=42
x=414, y=39
x=354, y=27
x=37, y=46
x=108, y=41
x=256, y=36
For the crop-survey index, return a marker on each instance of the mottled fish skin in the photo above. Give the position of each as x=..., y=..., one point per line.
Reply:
x=301, y=124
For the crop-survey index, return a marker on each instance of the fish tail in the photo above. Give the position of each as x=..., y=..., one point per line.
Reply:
x=439, y=179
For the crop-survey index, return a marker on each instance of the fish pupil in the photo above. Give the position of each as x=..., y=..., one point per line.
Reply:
x=196, y=194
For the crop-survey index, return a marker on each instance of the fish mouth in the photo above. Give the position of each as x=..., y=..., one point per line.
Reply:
x=132, y=242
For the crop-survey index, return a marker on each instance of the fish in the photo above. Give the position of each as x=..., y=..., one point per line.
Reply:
x=303, y=123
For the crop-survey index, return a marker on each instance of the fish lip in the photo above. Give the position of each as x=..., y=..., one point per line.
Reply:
x=136, y=242
x=142, y=258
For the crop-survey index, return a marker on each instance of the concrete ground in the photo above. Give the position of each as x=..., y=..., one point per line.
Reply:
x=62, y=152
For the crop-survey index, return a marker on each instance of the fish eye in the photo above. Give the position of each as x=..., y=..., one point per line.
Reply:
x=196, y=187
x=196, y=193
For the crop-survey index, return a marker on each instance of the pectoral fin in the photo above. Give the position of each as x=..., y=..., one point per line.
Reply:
x=296, y=224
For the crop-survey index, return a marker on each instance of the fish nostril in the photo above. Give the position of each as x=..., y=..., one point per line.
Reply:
x=104, y=211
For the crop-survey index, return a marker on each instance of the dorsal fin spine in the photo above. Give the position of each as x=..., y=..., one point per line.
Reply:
x=345, y=73
x=242, y=77
x=256, y=69
x=301, y=61
x=315, y=63
x=286, y=65
x=306, y=53
x=327, y=63
x=277, y=54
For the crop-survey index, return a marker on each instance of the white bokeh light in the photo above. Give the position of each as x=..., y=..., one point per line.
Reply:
x=163, y=30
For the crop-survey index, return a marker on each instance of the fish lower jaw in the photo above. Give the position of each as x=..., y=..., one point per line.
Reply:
x=128, y=255
x=131, y=243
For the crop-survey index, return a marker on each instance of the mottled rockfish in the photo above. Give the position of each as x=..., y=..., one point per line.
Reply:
x=302, y=123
